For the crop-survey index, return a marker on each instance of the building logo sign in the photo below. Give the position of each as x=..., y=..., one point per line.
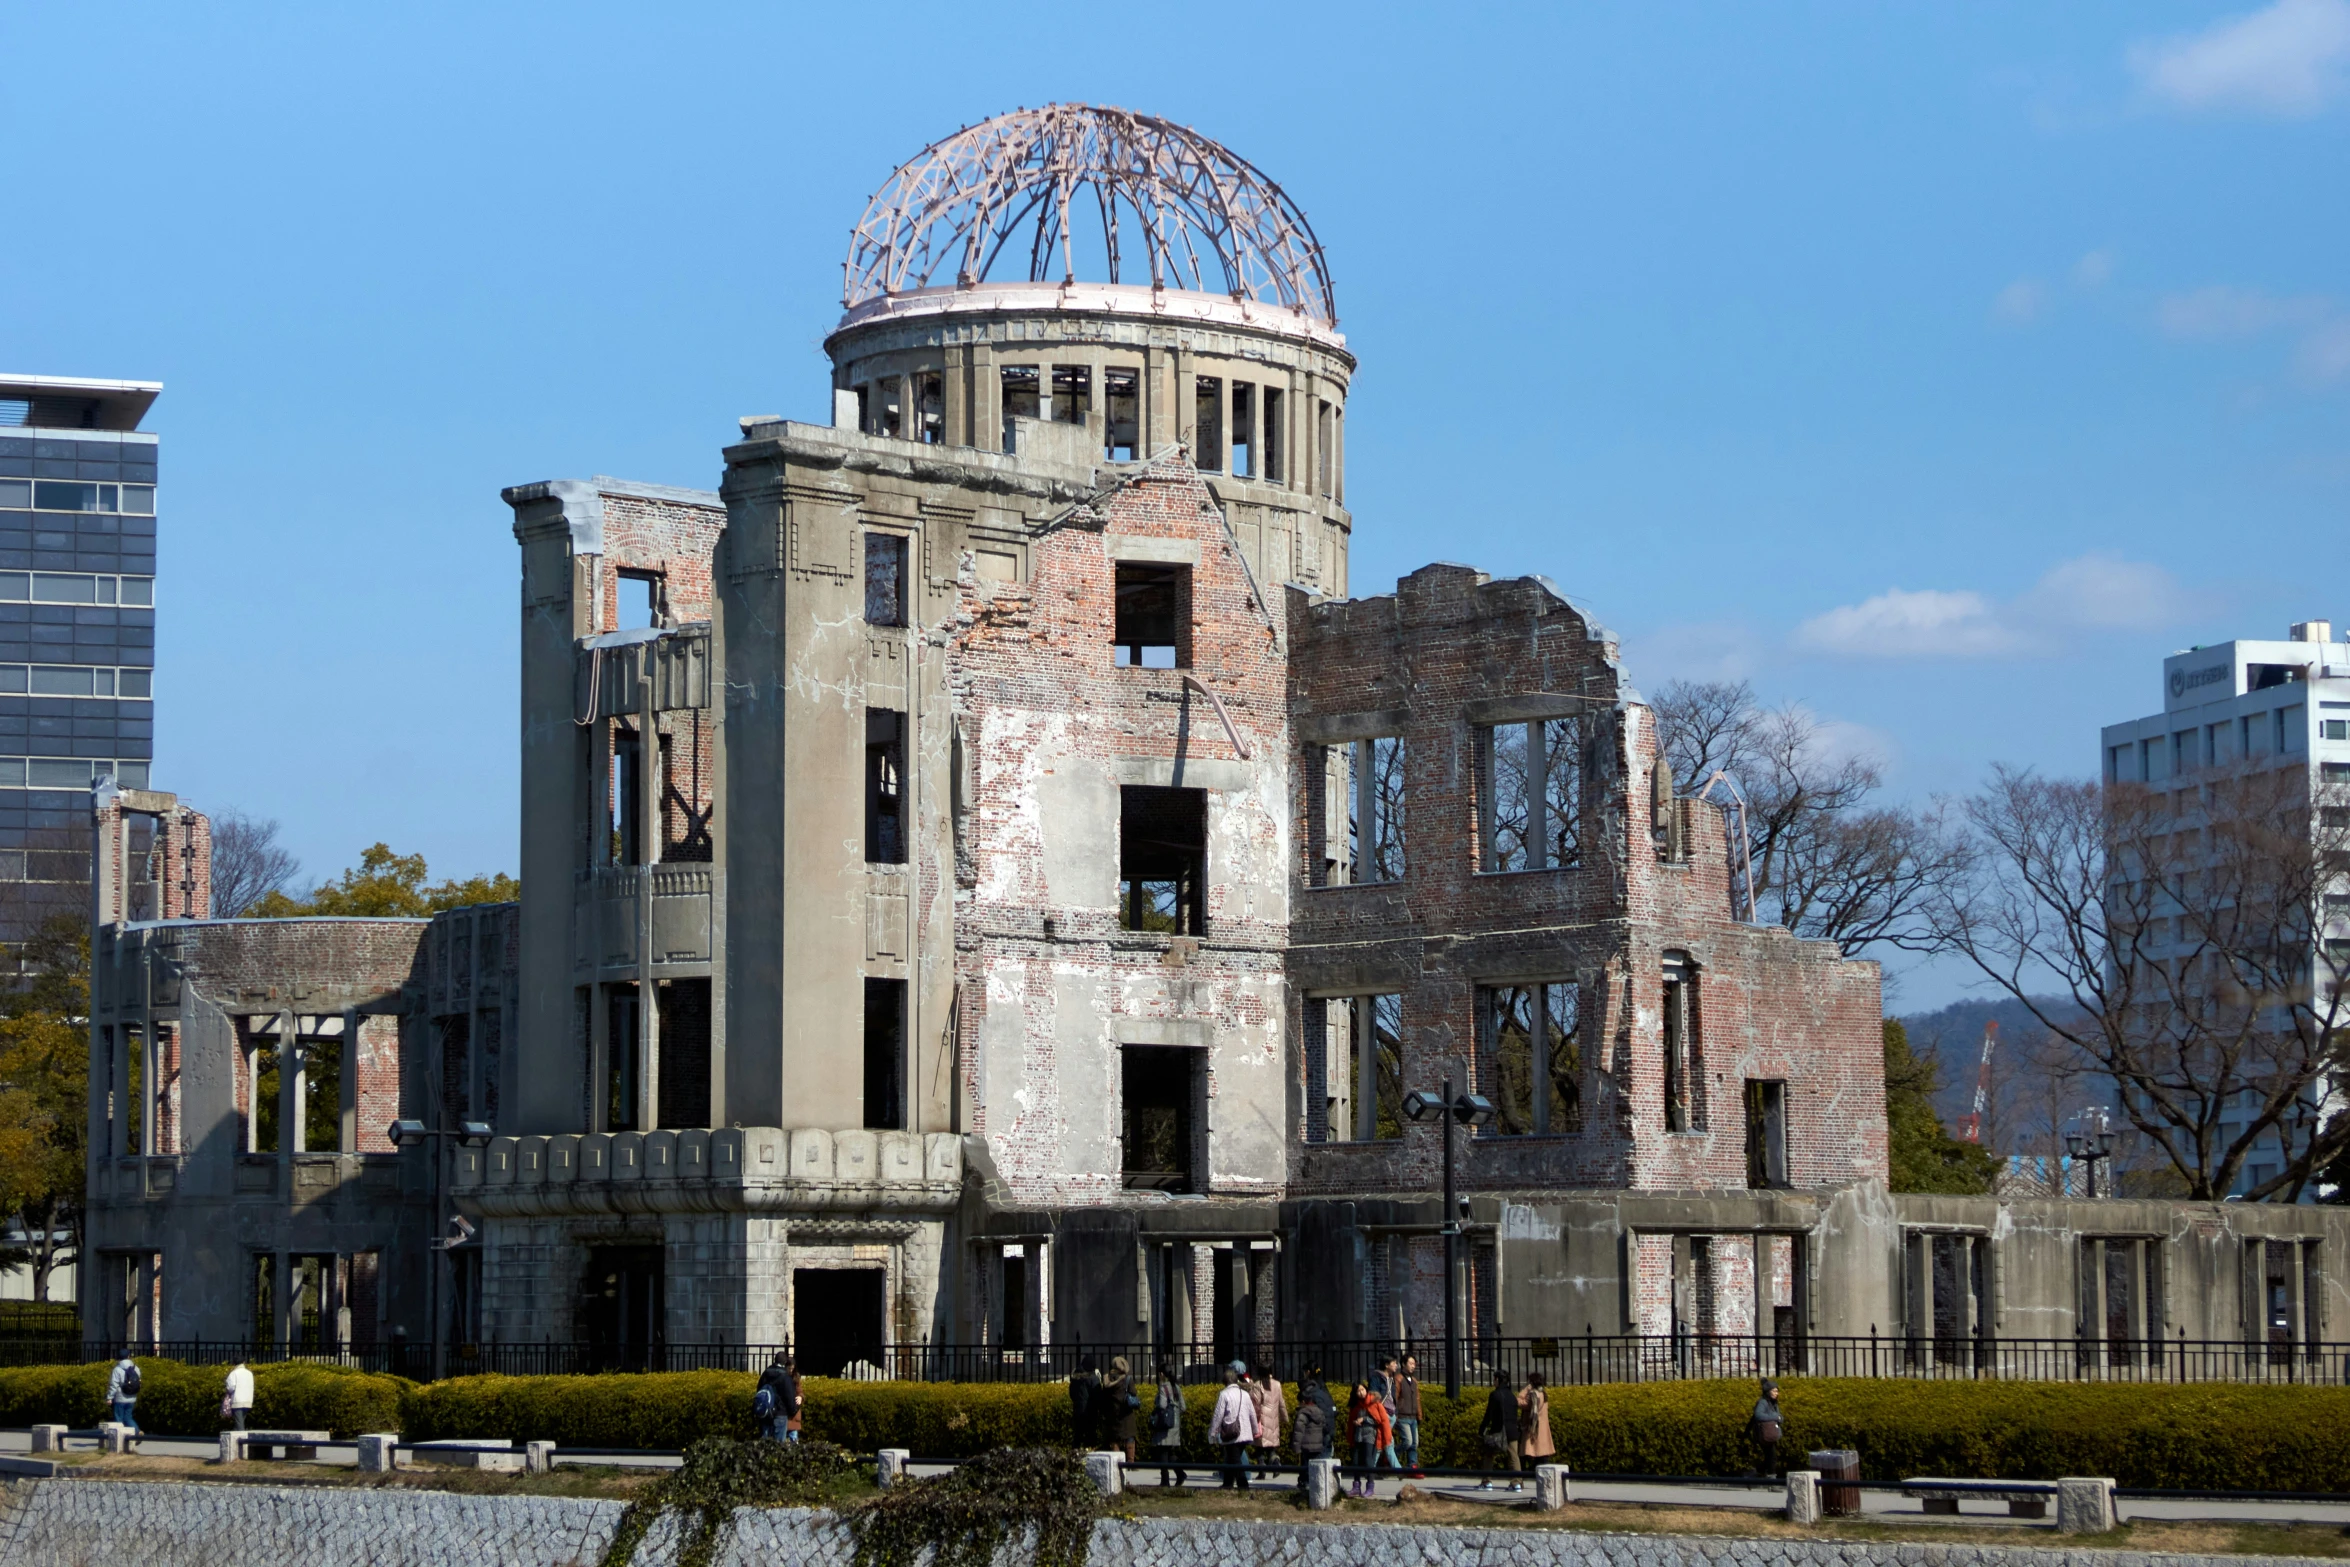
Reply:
x=2183, y=681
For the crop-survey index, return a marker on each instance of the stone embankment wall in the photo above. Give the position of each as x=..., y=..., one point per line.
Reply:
x=87, y=1523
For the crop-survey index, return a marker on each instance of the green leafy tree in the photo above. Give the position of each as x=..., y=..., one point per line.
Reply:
x=1926, y=1158
x=44, y=1094
x=385, y=885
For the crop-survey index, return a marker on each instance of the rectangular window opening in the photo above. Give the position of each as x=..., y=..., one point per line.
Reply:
x=885, y=1055
x=1153, y=625
x=1072, y=393
x=930, y=408
x=1361, y=1076
x=1530, y=795
x=624, y=798
x=1122, y=433
x=1020, y=398
x=1276, y=435
x=685, y=1051
x=885, y=792
x=1243, y=430
x=1684, y=1060
x=1532, y=1059
x=1766, y=1133
x=1207, y=419
x=1375, y=811
x=1163, y=859
x=888, y=408
x=1161, y=1085
x=639, y=599
x=623, y=1054
x=885, y=579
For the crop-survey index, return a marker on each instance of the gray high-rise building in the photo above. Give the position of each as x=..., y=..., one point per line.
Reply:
x=77, y=621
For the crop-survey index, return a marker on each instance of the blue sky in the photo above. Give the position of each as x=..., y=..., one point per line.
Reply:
x=1939, y=367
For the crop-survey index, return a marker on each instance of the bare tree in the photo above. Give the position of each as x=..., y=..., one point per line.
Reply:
x=248, y=863
x=1826, y=863
x=2176, y=944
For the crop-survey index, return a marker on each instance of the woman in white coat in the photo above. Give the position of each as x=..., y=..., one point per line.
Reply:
x=236, y=1401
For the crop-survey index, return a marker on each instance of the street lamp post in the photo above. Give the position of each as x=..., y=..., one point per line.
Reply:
x=413, y=1134
x=1468, y=1110
x=2090, y=1142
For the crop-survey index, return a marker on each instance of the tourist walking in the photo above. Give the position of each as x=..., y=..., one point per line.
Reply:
x=1767, y=1426
x=1084, y=1415
x=1369, y=1429
x=122, y=1391
x=1166, y=1426
x=1534, y=1441
x=1404, y=1409
x=1233, y=1426
x=1499, y=1430
x=236, y=1396
x=1272, y=1415
x=776, y=1401
x=1311, y=1431
x=1124, y=1403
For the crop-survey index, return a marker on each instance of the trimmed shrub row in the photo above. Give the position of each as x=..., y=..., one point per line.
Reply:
x=2210, y=1435
x=185, y=1400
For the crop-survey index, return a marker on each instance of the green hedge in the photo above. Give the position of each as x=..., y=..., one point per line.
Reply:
x=661, y=1409
x=180, y=1400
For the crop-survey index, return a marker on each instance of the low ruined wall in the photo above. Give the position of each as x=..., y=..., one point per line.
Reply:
x=84, y=1523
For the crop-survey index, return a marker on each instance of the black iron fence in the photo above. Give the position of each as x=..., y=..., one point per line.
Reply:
x=1568, y=1360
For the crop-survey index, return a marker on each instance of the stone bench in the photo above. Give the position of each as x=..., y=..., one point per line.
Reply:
x=488, y=1455
x=277, y=1444
x=2024, y=1498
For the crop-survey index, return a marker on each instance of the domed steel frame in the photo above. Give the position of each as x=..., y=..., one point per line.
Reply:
x=1209, y=222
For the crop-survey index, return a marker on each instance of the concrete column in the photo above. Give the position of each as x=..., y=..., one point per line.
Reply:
x=1803, y=1496
x=121, y=1142
x=890, y=1466
x=150, y=1059
x=1102, y=1469
x=987, y=399
x=599, y=1059
x=281, y=1278
x=1185, y=398
x=954, y=395
x=349, y=1141
x=2084, y=1506
x=1550, y=1487
x=1321, y=1484
x=1537, y=794
x=649, y=786
x=376, y=1451
x=289, y=1096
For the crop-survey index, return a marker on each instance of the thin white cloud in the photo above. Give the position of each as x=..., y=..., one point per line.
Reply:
x=2325, y=352
x=2286, y=59
x=2095, y=269
x=2222, y=314
x=2088, y=593
x=2021, y=302
x=1898, y=623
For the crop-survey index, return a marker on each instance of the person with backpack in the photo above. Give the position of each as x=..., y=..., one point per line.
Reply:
x=122, y=1391
x=236, y=1396
x=1311, y=1430
x=776, y=1404
x=1122, y=1403
x=1499, y=1430
x=1167, y=1426
x=1233, y=1426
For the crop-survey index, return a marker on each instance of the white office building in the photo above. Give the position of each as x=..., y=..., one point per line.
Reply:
x=2282, y=704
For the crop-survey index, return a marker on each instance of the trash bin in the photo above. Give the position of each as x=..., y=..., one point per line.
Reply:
x=1838, y=1464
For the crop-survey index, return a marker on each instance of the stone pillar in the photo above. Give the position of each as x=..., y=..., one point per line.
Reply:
x=1803, y=1496
x=353, y=1021
x=378, y=1451
x=2084, y=1506
x=232, y=1449
x=1102, y=1469
x=890, y=1466
x=538, y=1458
x=1321, y=1484
x=1550, y=1487
x=289, y=1100
x=48, y=1439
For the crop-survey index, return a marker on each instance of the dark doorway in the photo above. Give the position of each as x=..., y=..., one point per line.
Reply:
x=1158, y=1134
x=837, y=1316
x=620, y=1307
x=885, y=1054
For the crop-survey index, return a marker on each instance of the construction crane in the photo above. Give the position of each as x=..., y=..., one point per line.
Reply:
x=1970, y=1126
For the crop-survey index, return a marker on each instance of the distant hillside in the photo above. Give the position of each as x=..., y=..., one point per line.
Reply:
x=2031, y=1089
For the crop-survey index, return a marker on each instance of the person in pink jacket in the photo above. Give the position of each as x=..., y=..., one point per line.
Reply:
x=1272, y=1415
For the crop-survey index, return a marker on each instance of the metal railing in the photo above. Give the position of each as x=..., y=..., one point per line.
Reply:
x=1565, y=1360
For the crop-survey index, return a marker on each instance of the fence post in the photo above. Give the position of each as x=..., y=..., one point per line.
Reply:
x=1873, y=1371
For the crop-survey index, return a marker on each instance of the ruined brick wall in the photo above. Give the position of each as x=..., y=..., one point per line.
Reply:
x=1437, y=664
x=672, y=540
x=183, y=864
x=1051, y=984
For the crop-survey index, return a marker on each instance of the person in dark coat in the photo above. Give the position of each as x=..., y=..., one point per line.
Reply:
x=1312, y=1429
x=1499, y=1430
x=784, y=1382
x=1085, y=1386
x=1121, y=1405
x=1766, y=1425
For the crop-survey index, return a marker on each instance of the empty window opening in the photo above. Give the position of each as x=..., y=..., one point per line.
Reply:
x=1326, y=461
x=320, y=1093
x=1160, y=1083
x=885, y=791
x=865, y=407
x=1072, y=393
x=1530, y=795
x=1153, y=629
x=885, y=413
x=1357, y=1075
x=1163, y=859
x=639, y=601
x=624, y=799
x=1020, y=397
x=1244, y=411
x=1358, y=832
x=309, y=1307
x=1684, y=1057
x=885, y=1055
x=930, y=408
x=2120, y=1299
x=1122, y=433
x=624, y=1058
x=1276, y=435
x=1012, y=1327
x=685, y=1052
x=263, y=1299
x=2264, y=677
x=1532, y=1059
x=1207, y=404
x=261, y=1126
x=885, y=579
x=1766, y=1133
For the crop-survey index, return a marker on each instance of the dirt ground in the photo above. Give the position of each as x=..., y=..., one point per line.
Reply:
x=1414, y=1508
